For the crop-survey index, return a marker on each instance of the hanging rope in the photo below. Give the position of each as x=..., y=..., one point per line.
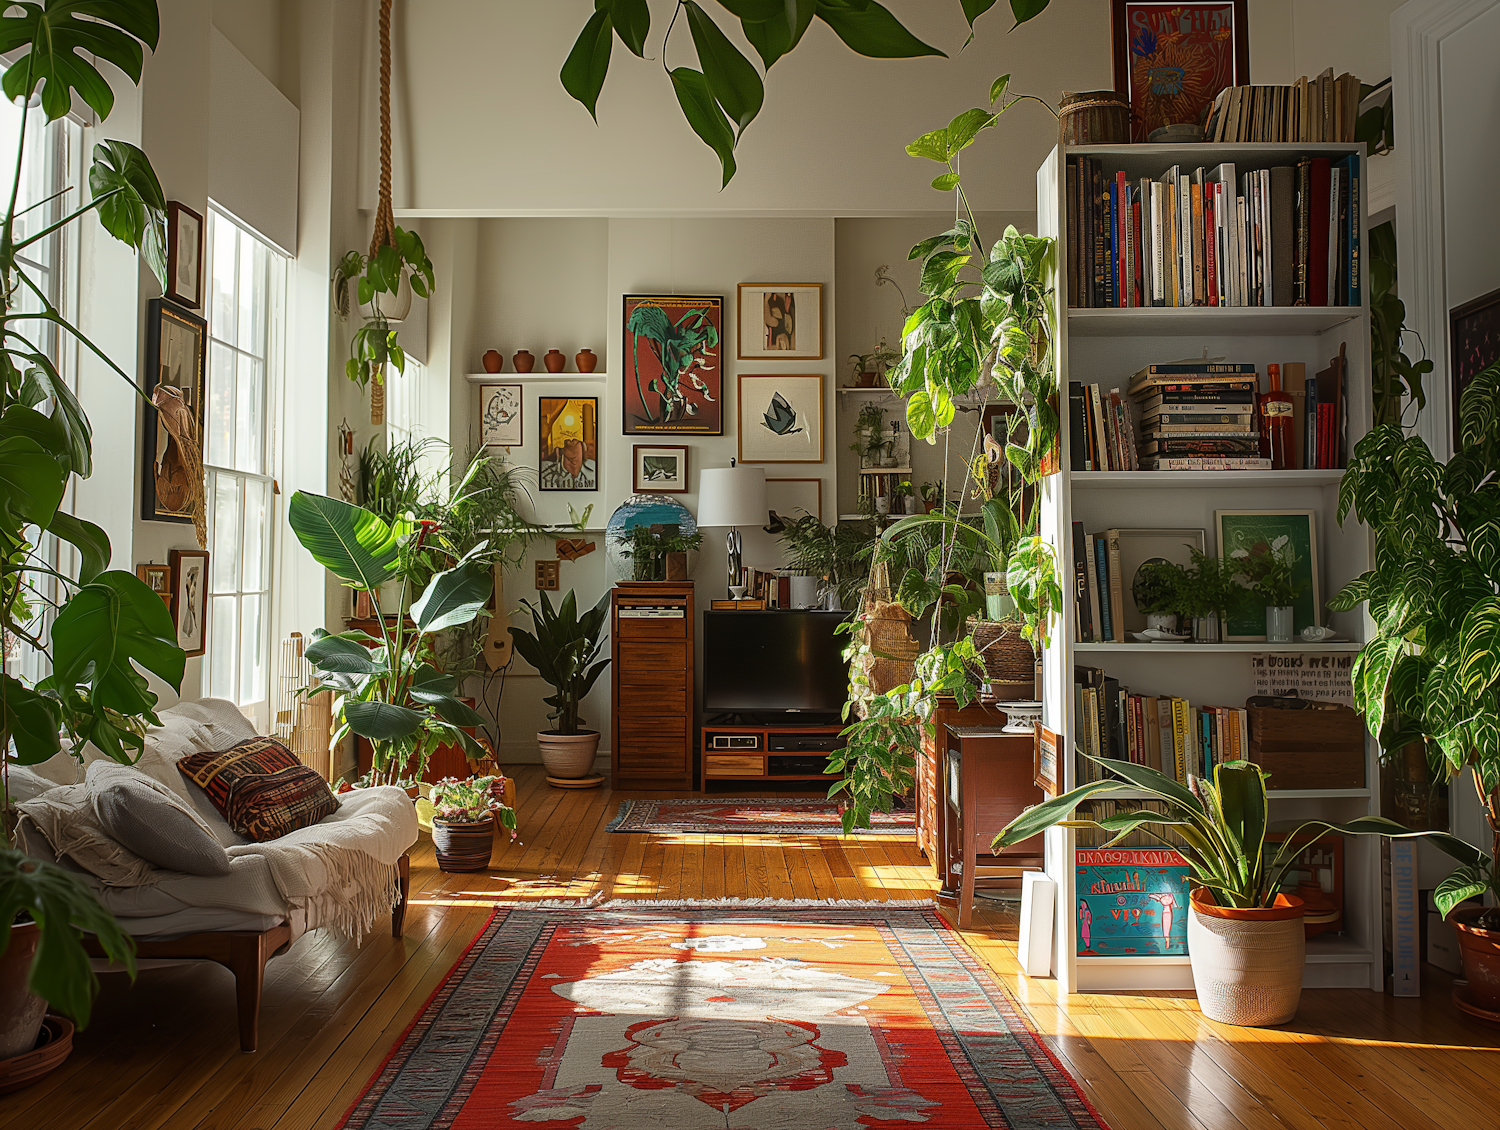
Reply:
x=385, y=222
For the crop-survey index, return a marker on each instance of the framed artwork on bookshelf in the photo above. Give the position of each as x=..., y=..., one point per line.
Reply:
x=673, y=364
x=781, y=418
x=794, y=498
x=780, y=321
x=1289, y=534
x=1172, y=59
x=1473, y=346
x=1132, y=902
x=1044, y=761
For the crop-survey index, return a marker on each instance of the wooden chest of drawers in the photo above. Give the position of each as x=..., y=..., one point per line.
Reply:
x=651, y=625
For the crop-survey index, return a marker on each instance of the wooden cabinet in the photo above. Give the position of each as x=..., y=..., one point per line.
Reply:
x=651, y=625
x=769, y=753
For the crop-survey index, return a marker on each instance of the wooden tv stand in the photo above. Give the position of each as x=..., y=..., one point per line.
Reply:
x=773, y=756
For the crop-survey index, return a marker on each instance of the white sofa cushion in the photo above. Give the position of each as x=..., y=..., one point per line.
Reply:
x=152, y=821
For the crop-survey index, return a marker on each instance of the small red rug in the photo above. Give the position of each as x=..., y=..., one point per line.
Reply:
x=752, y=816
x=623, y=1018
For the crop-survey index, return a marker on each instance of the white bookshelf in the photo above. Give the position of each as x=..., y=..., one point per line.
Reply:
x=1105, y=346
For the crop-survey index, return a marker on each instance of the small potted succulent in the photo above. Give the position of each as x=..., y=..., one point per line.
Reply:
x=463, y=822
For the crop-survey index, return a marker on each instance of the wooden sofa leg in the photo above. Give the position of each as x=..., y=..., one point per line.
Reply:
x=247, y=961
x=398, y=912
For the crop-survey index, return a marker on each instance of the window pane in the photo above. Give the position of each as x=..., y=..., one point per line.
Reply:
x=248, y=297
x=222, y=647
x=253, y=680
x=221, y=406
x=226, y=552
x=249, y=440
x=223, y=318
x=257, y=525
x=261, y=298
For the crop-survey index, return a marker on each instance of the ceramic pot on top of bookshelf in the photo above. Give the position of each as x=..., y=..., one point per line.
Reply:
x=1279, y=624
x=586, y=360
x=523, y=360
x=554, y=360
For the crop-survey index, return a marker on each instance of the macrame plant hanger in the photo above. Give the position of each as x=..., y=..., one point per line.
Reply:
x=385, y=221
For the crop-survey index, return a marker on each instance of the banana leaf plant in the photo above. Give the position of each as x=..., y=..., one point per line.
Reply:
x=564, y=649
x=1218, y=827
x=388, y=689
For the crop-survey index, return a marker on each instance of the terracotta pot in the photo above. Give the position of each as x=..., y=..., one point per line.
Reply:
x=554, y=360
x=492, y=361
x=21, y=1011
x=1481, y=953
x=463, y=846
x=586, y=360
x=568, y=756
x=523, y=361
x=1247, y=964
x=54, y=1044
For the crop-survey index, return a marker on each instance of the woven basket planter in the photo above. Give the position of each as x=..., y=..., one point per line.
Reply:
x=463, y=847
x=1094, y=117
x=894, y=649
x=1009, y=662
x=1247, y=964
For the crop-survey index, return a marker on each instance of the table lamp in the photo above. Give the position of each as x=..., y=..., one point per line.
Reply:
x=732, y=496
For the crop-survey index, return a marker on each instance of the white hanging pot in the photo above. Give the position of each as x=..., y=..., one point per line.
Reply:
x=393, y=307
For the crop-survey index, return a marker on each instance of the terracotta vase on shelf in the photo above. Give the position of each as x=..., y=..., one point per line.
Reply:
x=492, y=360
x=554, y=360
x=586, y=360
x=523, y=361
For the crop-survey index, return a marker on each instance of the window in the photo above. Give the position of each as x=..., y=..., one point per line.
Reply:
x=246, y=303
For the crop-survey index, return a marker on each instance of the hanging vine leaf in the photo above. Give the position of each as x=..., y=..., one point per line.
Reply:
x=587, y=65
x=702, y=112
x=735, y=82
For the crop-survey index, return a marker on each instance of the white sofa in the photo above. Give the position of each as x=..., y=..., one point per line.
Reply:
x=340, y=874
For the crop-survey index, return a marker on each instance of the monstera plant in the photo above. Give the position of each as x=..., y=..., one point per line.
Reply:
x=680, y=348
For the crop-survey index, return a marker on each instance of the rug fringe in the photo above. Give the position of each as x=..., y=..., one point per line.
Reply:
x=714, y=904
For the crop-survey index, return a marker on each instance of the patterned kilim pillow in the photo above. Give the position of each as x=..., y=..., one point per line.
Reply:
x=261, y=788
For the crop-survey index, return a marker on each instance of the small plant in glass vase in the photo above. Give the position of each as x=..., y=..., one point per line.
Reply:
x=1208, y=592
x=1271, y=582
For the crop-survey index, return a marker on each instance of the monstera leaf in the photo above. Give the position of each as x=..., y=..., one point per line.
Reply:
x=132, y=206
x=58, y=39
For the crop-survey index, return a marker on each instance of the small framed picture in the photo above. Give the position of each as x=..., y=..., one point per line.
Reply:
x=190, y=598
x=1291, y=535
x=1044, y=760
x=781, y=322
x=184, y=255
x=568, y=443
x=157, y=578
x=781, y=418
x=175, y=348
x=1474, y=345
x=500, y=415
x=794, y=498
x=660, y=470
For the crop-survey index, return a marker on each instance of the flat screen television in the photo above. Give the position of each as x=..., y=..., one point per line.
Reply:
x=774, y=661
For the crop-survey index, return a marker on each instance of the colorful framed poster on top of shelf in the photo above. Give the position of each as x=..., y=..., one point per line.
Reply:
x=1291, y=535
x=673, y=365
x=1172, y=59
x=1473, y=346
x=1132, y=902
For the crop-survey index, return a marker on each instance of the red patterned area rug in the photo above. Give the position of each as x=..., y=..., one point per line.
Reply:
x=635, y=1017
x=751, y=816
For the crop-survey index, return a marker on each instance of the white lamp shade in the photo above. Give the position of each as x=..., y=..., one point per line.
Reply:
x=732, y=496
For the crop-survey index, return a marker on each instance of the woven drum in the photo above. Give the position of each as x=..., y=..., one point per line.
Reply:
x=1094, y=117
x=463, y=847
x=893, y=646
x=1009, y=663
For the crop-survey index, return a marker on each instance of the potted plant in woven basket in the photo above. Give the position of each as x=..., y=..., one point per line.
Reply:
x=463, y=822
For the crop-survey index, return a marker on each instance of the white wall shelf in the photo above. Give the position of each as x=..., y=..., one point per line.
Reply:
x=852, y=390
x=1208, y=321
x=1212, y=480
x=515, y=378
x=1254, y=647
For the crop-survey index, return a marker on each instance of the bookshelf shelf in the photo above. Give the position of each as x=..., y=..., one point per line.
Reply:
x=1213, y=480
x=1208, y=321
x=1125, y=792
x=1254, y=647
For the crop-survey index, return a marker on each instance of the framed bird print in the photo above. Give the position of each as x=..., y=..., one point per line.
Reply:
x=190, y=598
x=673, y=365
x=780, y=321
x=172, y=474
x=781, y=418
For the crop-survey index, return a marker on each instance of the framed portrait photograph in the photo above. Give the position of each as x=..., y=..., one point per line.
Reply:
x=780, y=322
x=500, y=415
x=190, y=598
x=659, y=470
x=1473, y=346
x=673, y=372
x=794, y=498
x=1291, y=535
x=568, y=443
x=1172, y=59
x=781, y=418
x=184, y=255
x=173, y=449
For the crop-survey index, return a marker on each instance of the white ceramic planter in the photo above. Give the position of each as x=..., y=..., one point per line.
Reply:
x=395, y=307
x=1247, y=964
x=804, y=592
x=568, y=756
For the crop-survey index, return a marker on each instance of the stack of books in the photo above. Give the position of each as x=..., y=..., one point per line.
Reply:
x=1198, y=416
x=1310, y=110
x=1215, y=237
x=1162, y=732
x=1102, y=429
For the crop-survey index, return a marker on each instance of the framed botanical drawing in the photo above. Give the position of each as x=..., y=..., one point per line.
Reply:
x=794, y=498
x=780, y=322
x=500, y=415
x=1291, y=535
x=781, y=418
x=1473, y=346
x=184, y=255
x=190, y=598
x=673, y=369
x=568, y=443
x=172, y=469
x=659, y=470
x=1172, y=59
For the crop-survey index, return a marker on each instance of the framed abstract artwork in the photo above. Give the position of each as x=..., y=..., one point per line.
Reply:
x=190, y=598
x=568, y=443
x=500, y=415
x=781, y=418
x=659, y=470
x=1172, y=59
x=1473, y=346
x=780, y=322
x=794, y=498
x=1291, y=535
x=184, y=255
x=172, y=468
x=673, y=371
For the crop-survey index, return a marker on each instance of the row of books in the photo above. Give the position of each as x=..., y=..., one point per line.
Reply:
x=1098, y=587
x=1161, y=732
x=1102, y=423
x=1103, y=810
x=1285, y=236
x=1310, y=110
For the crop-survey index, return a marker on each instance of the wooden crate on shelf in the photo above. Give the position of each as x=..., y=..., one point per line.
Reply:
x=1309, y=749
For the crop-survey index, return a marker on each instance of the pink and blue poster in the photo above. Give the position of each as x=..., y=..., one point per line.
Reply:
x=1132, y=902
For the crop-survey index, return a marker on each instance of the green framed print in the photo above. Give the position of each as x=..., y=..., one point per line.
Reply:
x=1290, y=534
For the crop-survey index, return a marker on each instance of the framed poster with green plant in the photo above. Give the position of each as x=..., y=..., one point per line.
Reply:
x=1291, y=535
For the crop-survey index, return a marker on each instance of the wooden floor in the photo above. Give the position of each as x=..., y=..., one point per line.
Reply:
x=162, y=1054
